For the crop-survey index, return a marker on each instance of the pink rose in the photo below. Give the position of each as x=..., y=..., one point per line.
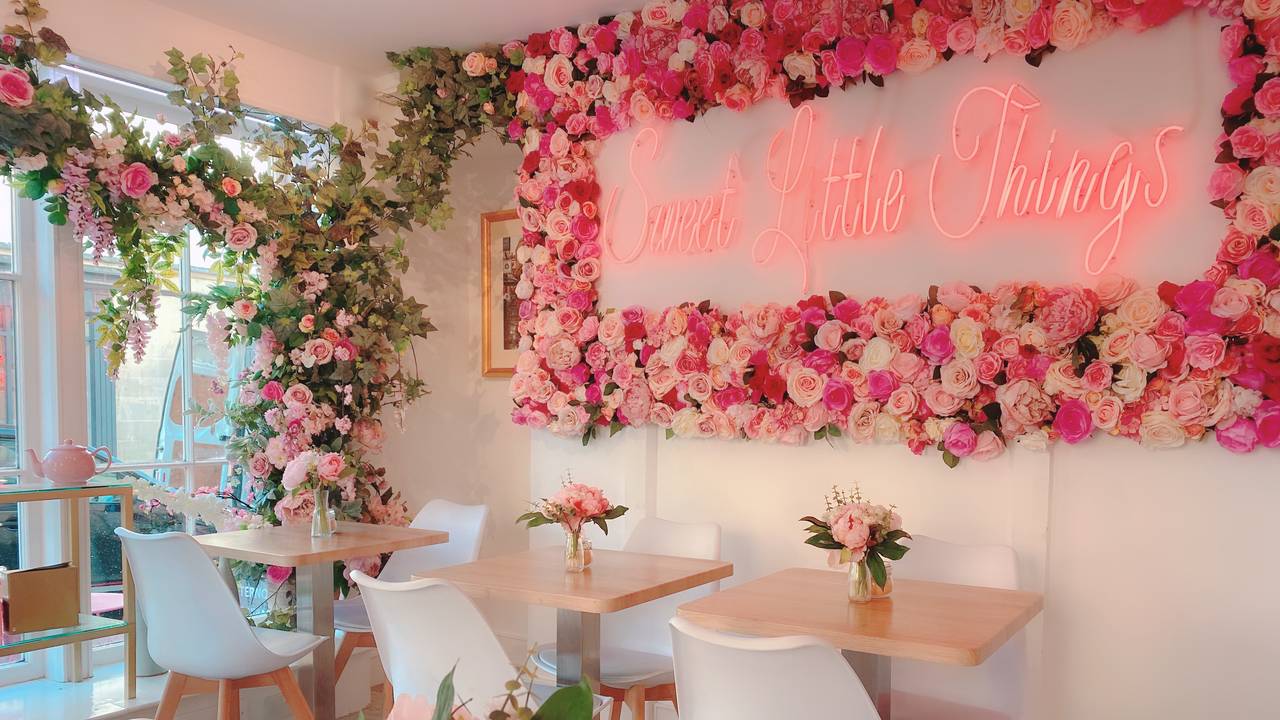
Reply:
x=1241, y=436
x=1186, y=403
x=937, y=345
x=955, y=295
x=307, y=323
x=1097, y=376
x=319, y=349
x=278, y=574
x=989, y=446
x=1267, y=420
x=1226, y=182
x=1205, y=352
x=244, y=309
x=1067, y=313
x=880, y=383
x=136, y=179
x=849, y=529
x=1263, y=266
x=1148, y=353
x=960, y=440
x=987, y=365
x=882, y=55
x=1267, y=99
x=297, y=395
x=941, y=402
x=851, y=55
x=259, y=465
x=15, y=87
x=962, y=36
x=1248, y=141
x=241, y=237
x=330, y=466
x=1073, y=422
x=1230, y=303
x=273, y=391
x=837, y=396
x=368, y=433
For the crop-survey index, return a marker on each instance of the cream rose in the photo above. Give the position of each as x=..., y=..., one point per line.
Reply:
x=1263, y=184
x=960, y=378
x=877, y=354
x=916, y=55
x=903, y=401
x=1141, y=310
x=1071, y=23
x=1160, y=430
x=1129, y=382
x=805, y=386
x=966, y=335
x=1106, y=412
x=1261, y=9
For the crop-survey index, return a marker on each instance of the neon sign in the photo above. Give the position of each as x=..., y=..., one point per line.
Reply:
x=821, y=191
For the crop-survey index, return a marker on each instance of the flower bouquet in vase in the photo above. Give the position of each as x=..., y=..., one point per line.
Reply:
x=572, y=507
x=864, y=537
x=319, y=474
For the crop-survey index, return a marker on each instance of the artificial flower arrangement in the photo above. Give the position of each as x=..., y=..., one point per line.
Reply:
x=317, y=474
x=574, y=702
x=864, y=537
x=575, y=505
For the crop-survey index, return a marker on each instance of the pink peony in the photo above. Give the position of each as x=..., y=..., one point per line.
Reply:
x=15, y=87
x=849, y=529
x=960, y=440
x=1067, y=313
x=1241, y=436
x=136, y=179
x=1073, y=422
x=297, y=470
x=582, y=503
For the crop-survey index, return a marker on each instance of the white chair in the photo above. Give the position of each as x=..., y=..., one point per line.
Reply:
x=728, y=677
x=635, y=662
x=198, y=633
x=427, y=628
x=925, y=691
x=465, y=525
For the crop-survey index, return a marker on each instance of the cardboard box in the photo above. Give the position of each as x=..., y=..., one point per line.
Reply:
x=42, y=598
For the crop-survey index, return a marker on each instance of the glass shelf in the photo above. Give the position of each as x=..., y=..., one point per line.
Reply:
x=23, y=492
x=91, y=627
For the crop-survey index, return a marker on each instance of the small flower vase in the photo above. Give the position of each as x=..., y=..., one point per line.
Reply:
x=863, y=587
x=575, y=555
x=322, y=519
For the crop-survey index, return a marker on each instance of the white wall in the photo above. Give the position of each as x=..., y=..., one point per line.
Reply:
x=134, y=35
x=459, y=443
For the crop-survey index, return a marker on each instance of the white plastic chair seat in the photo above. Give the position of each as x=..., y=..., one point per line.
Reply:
x=290, y=646
x=909, y=706
x=619, y=667
x=350, y=615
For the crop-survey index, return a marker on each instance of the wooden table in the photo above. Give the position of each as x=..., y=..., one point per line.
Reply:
x=614, y=581
x=89, y=627
x=293, y=546
x=935, y=622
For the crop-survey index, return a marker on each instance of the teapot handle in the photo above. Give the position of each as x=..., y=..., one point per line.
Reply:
x=101, y=448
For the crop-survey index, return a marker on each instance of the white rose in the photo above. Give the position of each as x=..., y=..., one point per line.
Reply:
x=966, y=335
x=877, y=354
x=1159, y=430
x=1129, y=382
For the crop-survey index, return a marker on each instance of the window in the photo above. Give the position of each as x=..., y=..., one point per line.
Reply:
x=10, y=537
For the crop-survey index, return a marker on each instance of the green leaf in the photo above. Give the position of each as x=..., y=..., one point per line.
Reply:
x=896, y=535
x=950, y=458
x=601, y=523
x=876, y=564
x=892, y=550
x=444, y=698
x=616, y=512
x=824, y=541
x=815, y=521
x=568, y=703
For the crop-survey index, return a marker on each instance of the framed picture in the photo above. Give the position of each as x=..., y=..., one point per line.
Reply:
x=500, y=234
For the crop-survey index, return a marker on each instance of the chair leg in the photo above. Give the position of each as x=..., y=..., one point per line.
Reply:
x=350, y=641
x=288, y=684
x=172, y=695
x=667, y=692
x=388, y=697
x=636, y=701
x=617, y=695
x=228, y=700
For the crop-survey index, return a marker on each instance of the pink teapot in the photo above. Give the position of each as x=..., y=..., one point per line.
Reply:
x=69, y=463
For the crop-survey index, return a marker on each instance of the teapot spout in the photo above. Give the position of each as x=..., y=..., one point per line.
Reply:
x=36, y=465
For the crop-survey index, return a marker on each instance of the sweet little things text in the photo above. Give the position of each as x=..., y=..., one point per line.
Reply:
x=1001, y=163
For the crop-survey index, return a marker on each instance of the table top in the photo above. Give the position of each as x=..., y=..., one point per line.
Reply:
x=45, y=490
x=292, y=545
x=614, y=581
x=936, y=622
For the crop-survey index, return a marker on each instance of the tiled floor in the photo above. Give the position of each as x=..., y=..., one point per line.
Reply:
x=374, y=711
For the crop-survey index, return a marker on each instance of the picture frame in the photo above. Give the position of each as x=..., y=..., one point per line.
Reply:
x=500, y=233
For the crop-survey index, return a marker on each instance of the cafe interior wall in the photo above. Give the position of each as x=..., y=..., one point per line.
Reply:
x=1153, y=563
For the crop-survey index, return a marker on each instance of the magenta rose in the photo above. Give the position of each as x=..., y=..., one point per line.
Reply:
x=273, y=391
x=880, y=383
x=937, y=345
x=1267, y=99
x=1261, y=265
x=1241, y=436
x=136, y=179
x=1267, y=420
x=851, y=55
x=837, y=396
x=882, y=55
x=15, y=87
x=960, y=440
x=1073, y=422
x=1194, y=296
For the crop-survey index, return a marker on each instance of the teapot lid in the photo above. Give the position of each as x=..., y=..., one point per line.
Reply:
x=69, y=443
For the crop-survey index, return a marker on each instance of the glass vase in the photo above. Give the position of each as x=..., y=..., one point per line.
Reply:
x=322, y=520
x=575, y=556
x=863, y=587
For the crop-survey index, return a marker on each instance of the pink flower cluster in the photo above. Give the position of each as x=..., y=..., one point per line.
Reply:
x=575, y=504
x=963, y=370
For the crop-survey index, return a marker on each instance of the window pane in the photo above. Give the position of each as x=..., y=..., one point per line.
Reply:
x=8, y=379
x=139, y=414
x=9, y=544
x=6, y=228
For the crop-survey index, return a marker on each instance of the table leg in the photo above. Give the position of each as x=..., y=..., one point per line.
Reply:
x=577, y=648
x=875, y=672
x=315, y=616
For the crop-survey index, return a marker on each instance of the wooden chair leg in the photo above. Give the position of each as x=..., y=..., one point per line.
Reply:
x=667, y=692
x=616, y=713
x=388, y=697
x=617, y=695
x=173, y=689
x=350, y=641
x=228, y=700
x=636, y=701
x=288, y=684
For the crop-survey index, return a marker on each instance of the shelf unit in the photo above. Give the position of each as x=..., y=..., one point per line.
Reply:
x=90, y=626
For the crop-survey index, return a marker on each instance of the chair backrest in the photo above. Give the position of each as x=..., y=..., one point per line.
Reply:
x=726, y=677
x=194, y=624
x=465, y=525
x=424, y=629
x=642, y=627
x=993, y=566
x=997, y=684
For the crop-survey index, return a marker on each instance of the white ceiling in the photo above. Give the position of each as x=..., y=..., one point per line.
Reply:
x=356, y=33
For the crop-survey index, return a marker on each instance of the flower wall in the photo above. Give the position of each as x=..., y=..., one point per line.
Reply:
x=955, y=367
